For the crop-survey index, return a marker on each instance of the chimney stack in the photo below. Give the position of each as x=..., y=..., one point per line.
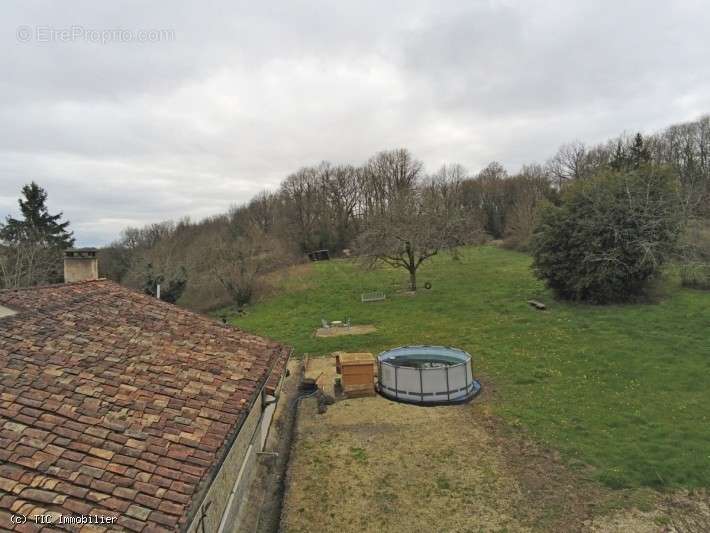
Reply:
x=80, y=264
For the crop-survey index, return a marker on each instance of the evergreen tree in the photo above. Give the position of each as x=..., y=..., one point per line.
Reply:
x=37, y=226
x=630, y=157
x=31, y=246
x=610, y=235
x=619, y=159
x=639, y=154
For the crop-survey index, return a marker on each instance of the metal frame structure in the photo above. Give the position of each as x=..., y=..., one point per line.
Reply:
x=449, y=383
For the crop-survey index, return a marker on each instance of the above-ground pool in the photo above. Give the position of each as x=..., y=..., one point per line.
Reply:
x=426, y=374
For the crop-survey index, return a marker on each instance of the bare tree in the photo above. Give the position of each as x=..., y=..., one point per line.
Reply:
x=417, y=225
x=451, y=173
x=237, y=261
x=159, y=255
x=487, y=192
x=528, y=190
x=302, y=202
x=262, y=210
x=341, y=188
x=24, y=263
x=387, y=175
x=688, y=152
x=568, y=163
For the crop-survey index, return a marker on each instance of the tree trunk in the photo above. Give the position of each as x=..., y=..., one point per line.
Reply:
x=412, y=267
x=413, y=280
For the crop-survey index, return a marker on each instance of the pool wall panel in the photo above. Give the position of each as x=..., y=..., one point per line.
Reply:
x=423, y=384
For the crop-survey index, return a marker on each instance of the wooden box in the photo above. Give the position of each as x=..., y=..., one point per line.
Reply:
x=357, y=372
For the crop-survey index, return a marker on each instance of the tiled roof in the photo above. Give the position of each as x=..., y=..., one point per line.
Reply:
x=114, y=403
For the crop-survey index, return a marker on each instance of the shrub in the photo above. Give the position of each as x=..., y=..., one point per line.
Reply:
x=695, y=275
x=172, y=285
x=609, y=236
x=695, y=255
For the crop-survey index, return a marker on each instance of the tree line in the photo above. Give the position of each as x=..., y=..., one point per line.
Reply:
x=389, y=209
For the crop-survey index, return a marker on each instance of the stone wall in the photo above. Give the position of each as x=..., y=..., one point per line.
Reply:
x=218, y=496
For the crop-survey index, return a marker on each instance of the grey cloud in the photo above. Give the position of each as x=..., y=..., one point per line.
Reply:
x=130, y=133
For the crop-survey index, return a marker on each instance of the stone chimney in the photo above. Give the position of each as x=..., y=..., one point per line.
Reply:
x=80, y=264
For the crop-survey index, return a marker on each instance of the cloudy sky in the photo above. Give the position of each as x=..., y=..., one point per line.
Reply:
x=191, y=107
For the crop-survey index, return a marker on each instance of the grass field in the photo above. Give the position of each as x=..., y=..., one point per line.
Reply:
x=371, y=465
x=625, y=389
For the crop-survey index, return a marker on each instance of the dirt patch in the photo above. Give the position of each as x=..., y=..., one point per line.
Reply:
x=628, y=521
x=374, y=465
x=370, y=464
x=686, y=511
x=563, y=496
x=339, y=331
x=678, y=512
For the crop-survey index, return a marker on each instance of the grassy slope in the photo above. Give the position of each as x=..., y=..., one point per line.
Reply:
x=623, y=388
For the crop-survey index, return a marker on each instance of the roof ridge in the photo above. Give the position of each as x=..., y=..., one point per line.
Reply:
x=147, y=299
x=52, y=285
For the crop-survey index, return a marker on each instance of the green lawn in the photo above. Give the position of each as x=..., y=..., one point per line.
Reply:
x=625, y=389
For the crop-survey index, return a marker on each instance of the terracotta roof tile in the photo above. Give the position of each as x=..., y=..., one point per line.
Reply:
x=114, y=403
x=278, y=371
